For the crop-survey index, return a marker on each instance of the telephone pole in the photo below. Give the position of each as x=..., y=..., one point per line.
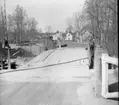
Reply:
x=5, y=22
x=6, y=35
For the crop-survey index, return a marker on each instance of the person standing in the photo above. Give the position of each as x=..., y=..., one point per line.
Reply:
x=92, y=49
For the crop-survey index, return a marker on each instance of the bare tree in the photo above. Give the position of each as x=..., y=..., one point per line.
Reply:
x=31, y=28
x=70, y=25
x=21, y=27
x=19, y=17
x=103, y=16
x=77, y=22
x=1, y=24
x=80, y=20
x=32, y=24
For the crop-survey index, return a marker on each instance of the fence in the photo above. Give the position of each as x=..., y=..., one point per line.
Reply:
x=105, y=60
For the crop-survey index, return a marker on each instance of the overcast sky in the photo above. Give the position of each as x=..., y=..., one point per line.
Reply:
x=48, y=12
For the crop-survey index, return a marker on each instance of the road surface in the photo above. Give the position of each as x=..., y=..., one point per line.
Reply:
x=56, y=77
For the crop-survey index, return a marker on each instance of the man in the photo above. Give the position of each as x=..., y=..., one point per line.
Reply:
x=92, y=47
x=6, y=44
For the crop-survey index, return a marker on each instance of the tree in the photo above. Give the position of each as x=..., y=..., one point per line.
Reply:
x=32, y=28
x=21, y=28
x=19, y=17
x=10, y=23
x=32, y=24
x=1, y=24
x=76, y=23
x=80, y=20
x=103, y=17
x=70, y=25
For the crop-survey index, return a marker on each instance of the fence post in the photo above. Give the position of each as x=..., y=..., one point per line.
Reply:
x=97, y=68
x=59, y=44
x=1, y=60
x=104, y=75
x=9, y=64
x=89, y=55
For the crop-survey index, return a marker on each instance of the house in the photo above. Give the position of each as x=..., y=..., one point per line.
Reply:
x=72, y=36
x=57, y=35
x=86, y=33
x=69, y=36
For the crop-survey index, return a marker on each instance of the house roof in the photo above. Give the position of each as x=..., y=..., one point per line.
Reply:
x=87, y=27
x=72, y=33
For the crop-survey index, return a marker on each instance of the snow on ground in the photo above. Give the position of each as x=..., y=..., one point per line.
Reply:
x=58, y=56
x=57, y=73
x=37, y=59
x=63, y=84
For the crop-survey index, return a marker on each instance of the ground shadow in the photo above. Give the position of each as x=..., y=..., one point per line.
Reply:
x=114, y=88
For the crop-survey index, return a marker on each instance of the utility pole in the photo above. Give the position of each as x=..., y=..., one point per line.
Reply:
x=5, y=22
x=59, y=44
x=6, y=35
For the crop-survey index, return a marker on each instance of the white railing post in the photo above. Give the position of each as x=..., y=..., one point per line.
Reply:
x=104, y=75
x=105, y=60
x=9, y=64
x=97, y=68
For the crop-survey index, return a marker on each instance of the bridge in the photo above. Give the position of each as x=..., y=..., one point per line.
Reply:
x=55, y=77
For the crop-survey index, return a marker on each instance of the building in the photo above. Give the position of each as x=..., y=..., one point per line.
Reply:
x=69, y=36
x=86, y=33
x=57, y=35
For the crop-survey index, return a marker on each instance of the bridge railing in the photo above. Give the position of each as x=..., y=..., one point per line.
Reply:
x=105, y=60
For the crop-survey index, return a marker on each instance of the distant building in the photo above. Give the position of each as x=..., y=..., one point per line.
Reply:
x=86, y=33
x=57, y=35
x=69, y=36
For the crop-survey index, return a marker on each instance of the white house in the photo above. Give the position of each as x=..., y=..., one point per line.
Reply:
x=57, y=35
x=69, y=36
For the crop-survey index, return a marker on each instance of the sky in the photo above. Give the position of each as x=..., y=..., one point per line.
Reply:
x=52, y=13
